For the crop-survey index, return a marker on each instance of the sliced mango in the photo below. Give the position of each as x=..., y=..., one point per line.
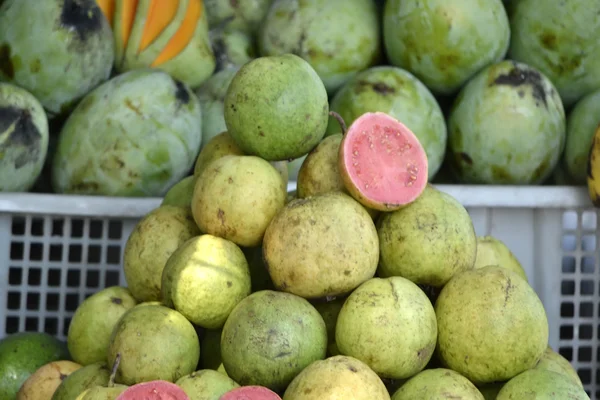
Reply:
x=160, y=14
x=125, y=12
x=108, y=9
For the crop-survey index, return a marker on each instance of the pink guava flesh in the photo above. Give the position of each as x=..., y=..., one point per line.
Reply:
x=383, y=161
x=154, y=390
x=250, y=393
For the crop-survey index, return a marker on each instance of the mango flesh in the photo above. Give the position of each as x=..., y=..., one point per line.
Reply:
x=276, y=108
x=206, y=384
x=427, y=242
x=159, y=332
x=559, y=39
x=582, y=122
x=338, y=377
x=58, y=50
x=401, y=95
x=82, y=379
x=492, y=251
x=542, y=384
x=388, y=311
x=136, y=135
x=24, y=139
x=438, y=383
x=42, y=384
x=338, y=38
x=498, y=121
x=93, y=323
x=445, y=43
x=492, y=325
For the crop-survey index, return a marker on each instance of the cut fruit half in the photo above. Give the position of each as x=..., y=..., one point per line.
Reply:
x=154, y=390
x=250, y=393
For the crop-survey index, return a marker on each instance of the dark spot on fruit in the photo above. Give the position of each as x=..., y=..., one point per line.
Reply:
x=181, y=93
x=521, y=93
x=382, y=88
x=352, y=368
x=116, y=300
x=221, y=216
x=548, y=40
x=229, y=284
x=62, y=377
x=307, y=117
x=507, y=290
x=129, y=104
x=83, y=17
x=234, y=3
x=6, y=65
x=230, y=180
x=523, y=76
x=24, y=134
x=35, y=66
x=347, y=272
x=540, y=170
x=466, y=158
x=307, y=391
x=261, y=133
x=499, y=174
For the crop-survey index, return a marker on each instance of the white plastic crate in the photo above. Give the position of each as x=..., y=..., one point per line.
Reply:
x=57, y=250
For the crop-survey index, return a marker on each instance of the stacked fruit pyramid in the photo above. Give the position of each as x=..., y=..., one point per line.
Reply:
x=366, y=282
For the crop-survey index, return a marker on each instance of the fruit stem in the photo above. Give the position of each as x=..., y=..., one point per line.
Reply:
x=113, y=372
x=340, y=120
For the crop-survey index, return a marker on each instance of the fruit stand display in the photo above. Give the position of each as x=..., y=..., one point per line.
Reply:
x=298, y=200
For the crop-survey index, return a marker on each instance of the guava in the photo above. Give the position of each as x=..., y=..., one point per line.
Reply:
x=236, y=197
x=232, y=47
x=388, y=312
x=180, y=193
x=427, y=242
x=155, y=389
x=246, y=15
x=93, y=322
x=445, y=43
x=24, y=139
x=541, y=384
x=401, y=95
x=553, y=361
x=270, y=337
x=42, y=384
x=211, y=95
x=158, y=332
x=206, y=384
x=497, y=123
x=153, y=239
x=338, y=38
x=84, y=378
x=305, y=244
x=218, y=146
x=491, y=325
x=582, y=122
x=330, y=310
x=58, y=50
x=204, y=279
x=492, y=251
x=438, y=383
x=135, y=135
x=382, y=163
x=108, y=391
x=338, y=377
x=276, y=107
x=560, y=39
x=252, y=392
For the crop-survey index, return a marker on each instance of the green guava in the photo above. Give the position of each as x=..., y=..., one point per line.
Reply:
x=438, y=383
x=136, y=135
x=206, y=384
x=156, y=333
x=401, y=95
x=388, y=312
x=541, y=384
x=211, y=95
x=154, y=238
x=492, y=251
x=338, y=38
x=319, y=173
x=276, y=107
x=582, y=122
x=497, y=123
x=180, y=194
x=102, y=392
x=244, y=15
x=58, y=50
x=270, y=337
x=560, y=39
x=491, y=325
x=24, y=138
x=427, y=242
x=306, y=241
x=553, y=361
x=338, y=377
x=236, y=197
x=444, y=43
x=84, y=378
x=93, y=322
x=218, y=146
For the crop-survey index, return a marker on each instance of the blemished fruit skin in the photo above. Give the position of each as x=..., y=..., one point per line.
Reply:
x=497, y=123
x=206, y=384
x=45, y=380
x=444, y=43
x=542, y=384
x=84, y=378
x=492, y=251
x=560, y=39
x=437, y=383
x=246, y=15
x=553, y=361
x=58, y=50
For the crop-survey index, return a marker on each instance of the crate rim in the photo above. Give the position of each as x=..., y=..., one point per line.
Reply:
x=134, y=207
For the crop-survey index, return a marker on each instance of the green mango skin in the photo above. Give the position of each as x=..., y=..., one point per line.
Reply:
x=541, y=384
x=444, y=43
x=23, y=151
x=84, y=378
x=232, y=48
x=245, y=15
x=582, y=122
x=498, y=124
x=438, y=383
x=338, y=38
x=136, y=135
x=21, y=354
x=276, y=108
x=58, y=50
x=559, y=38
x=401, y=95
